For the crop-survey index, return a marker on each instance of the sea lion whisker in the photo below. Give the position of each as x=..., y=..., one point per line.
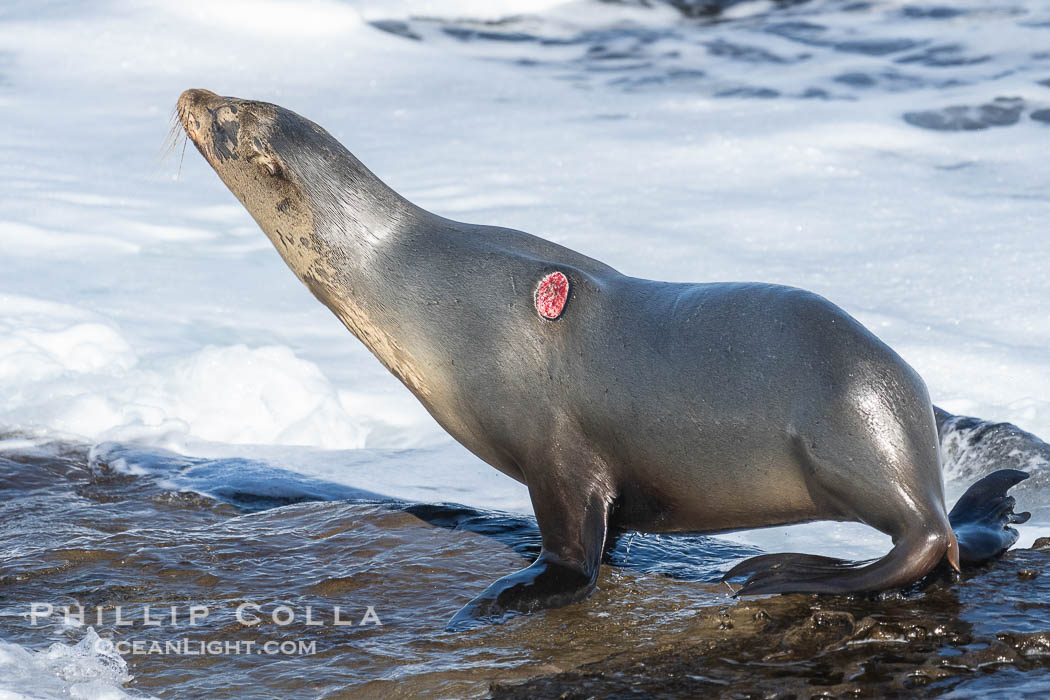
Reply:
x=171, y=140
x=182, y=156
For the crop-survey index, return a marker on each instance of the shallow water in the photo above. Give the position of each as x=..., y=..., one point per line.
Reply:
x=295, y=587
x=883, y=154
x=89, y=535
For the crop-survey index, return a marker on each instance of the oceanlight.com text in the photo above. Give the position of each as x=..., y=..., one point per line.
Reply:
x=212, y=647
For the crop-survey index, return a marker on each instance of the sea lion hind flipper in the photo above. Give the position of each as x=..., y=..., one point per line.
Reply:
x=910, y=559
x=769, y=562
x=982, y=517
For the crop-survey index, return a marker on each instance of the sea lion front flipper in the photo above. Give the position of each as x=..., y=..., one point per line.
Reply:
x=573, y=528
x=982, y=517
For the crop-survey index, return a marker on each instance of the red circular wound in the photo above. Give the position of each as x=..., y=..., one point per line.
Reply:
x=551, y=295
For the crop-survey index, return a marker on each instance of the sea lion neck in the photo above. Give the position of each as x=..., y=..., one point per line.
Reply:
x=351, y=209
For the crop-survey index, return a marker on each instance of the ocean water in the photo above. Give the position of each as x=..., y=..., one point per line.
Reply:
x=169, y=390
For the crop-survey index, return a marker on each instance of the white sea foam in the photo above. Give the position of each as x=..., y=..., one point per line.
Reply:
x=87, y=670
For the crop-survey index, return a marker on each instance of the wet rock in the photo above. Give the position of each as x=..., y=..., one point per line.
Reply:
x=876, y=47
x=745, y=53
x=856, y=79
x=1030, y=645
x=888, y=80
x=1003, y=111
x=478, y=34
x=957, y=118
x=747, y=91
x=996, y=653
x=818, y=35
x=397, y=28
x=825, y=646
x=820, y=630
x=802, y=32
x=187, y=499
x=815, y=93
x=702, y=8
x=931, y=12
x=1041, y=115
x=944, y=56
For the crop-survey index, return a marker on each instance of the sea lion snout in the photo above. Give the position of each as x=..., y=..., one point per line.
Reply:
x=226, y=129
x=246, y=143
x=195, y=95
x=191, y=108
x=212, y=122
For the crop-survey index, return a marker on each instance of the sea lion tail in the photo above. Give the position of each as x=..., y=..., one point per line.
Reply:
x=982, y=517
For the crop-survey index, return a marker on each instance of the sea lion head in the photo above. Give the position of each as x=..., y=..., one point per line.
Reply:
x=311, y=196
x=248, y=144
x=328, y=216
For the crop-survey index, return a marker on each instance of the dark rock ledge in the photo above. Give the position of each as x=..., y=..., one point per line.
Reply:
x=989, y=632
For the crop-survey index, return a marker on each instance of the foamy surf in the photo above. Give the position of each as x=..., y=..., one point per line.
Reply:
x=89, y=669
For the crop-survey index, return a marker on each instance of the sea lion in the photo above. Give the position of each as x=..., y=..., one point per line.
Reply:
x=622, y=403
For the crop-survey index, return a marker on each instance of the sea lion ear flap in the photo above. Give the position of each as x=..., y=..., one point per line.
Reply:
x=269, y=165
